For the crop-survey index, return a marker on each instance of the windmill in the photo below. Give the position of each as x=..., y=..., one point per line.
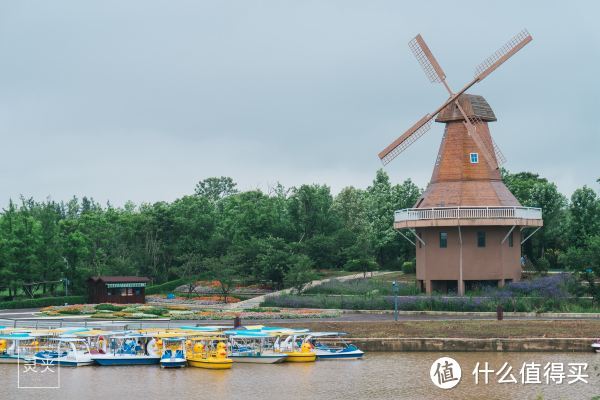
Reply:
x=465, y=206
x=436, y=74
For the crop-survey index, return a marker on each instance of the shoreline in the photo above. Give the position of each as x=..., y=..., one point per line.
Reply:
x=466, y=335
x=519, y=345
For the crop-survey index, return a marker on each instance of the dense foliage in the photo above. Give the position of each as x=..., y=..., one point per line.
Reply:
x=277, y=238
x=272, y=238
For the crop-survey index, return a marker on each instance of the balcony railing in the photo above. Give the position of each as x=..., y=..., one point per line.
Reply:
x=417, y=214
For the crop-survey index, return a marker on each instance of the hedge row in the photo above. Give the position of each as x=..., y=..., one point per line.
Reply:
x=165, y=287
x=43, y=302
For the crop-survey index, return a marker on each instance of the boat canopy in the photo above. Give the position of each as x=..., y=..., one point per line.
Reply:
x=324, y=334
x=91, y=333
x=17, y=336
x=130, y=336
x=253, y=336
x=171, y=337
x=213, y=337
x=245, y=332
x=68, y=339
x=212, y=328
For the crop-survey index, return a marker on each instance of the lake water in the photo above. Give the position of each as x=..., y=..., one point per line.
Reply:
x=378, y=376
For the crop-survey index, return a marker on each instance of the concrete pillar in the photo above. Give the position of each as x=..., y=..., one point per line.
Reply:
x=501, y=283
x=428, y=286
x=461, y=287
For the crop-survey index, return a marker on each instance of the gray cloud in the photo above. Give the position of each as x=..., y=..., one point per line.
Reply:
x=141, y=99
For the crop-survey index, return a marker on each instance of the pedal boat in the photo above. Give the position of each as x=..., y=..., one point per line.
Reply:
x=248, y=347
x=173, y=351
x=296, y=349
x=131, y=349
x=18, y=347
x=65, y=351
x=337, y=350
x=596, y=346
x=204, y=353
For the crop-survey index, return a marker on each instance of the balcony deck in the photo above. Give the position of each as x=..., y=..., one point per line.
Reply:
x=467, y=216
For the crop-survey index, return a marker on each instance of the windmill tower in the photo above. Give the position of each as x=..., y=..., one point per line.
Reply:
x=467, y=226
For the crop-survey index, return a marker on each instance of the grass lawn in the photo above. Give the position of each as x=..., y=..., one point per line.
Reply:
x=398, y=276
x=459, y=329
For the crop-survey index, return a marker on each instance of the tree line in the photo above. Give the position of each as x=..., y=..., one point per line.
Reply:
x=277, y=238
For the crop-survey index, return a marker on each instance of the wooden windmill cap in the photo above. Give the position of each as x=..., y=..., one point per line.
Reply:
x=473, y=105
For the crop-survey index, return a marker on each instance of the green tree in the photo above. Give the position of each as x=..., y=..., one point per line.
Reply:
x=533, y=191
x=584, y=261
x=383, y=200
x=215, y=189
x=584, y=213
x=225, y=270
x=300, y=273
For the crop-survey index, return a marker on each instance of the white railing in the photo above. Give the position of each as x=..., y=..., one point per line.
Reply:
x=416, y=214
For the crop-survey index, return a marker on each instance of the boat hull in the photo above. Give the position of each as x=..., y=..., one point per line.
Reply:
x=109, y=361
x=596, y=347
x=63, y=362
x=210, y=363
x=263, y=359
x=349, y=355
x=297, y=356
x=173, y=363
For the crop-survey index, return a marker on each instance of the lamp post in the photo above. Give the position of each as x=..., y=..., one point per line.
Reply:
x=395, y=288
x=66, y=279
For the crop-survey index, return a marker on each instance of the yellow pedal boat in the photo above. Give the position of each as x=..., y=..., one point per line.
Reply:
x=202, y=356
x=305, y=354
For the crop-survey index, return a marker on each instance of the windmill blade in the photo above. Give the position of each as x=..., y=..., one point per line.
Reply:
x=499, y=155
x=473, y=132
x=504, y=53
x=430, y=66
x=407, y=138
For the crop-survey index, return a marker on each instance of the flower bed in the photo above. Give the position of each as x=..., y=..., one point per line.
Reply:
x=198, y=300
x=253, y=315
x=179, y=312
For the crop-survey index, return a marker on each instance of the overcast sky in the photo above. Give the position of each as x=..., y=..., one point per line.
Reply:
x=139, y=100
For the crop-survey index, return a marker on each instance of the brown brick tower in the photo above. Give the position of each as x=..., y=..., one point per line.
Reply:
x=467, y=226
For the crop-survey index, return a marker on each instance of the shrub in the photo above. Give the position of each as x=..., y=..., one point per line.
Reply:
x=362, y=287
x=42, y=302
x=165, y=287
x=109, y=307
x=408, y=267
x=158, y=311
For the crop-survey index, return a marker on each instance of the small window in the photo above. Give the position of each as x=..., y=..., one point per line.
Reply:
x=443, y=240
x=474, y=158
x=480, y=239
x=510, y=240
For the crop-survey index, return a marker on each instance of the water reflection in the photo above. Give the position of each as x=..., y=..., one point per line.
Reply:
x=378, y=376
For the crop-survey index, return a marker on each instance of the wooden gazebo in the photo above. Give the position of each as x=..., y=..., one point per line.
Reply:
x=117, y=289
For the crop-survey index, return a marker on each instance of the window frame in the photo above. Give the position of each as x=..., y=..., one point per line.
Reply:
x=481, y=239
x=443, y=240
x=476, y=158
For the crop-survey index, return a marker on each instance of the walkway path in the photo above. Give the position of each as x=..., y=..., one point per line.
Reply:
x=255, y=301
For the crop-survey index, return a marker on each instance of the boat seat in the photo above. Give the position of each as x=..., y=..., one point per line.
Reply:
x=167, y=354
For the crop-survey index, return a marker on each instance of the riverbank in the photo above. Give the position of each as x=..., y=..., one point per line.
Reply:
x=480, y=335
